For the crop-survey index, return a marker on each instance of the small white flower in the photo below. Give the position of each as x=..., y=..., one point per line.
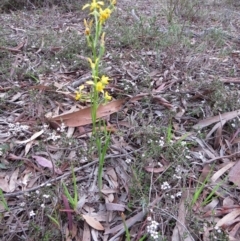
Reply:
x=37, y=191
x=45, y=126
x=48, y=184
x=128, y=161
x=32, y=213
x=42, y=205
x=188, y=157
x=178, y=194
x=177, y=177
x=172, y=197
x=178, y=169
x=160, y=164
x=22, y=204
x=165, y=186
x=161, y=143
x=46, y=196
x=183, y=143
x=149, y=218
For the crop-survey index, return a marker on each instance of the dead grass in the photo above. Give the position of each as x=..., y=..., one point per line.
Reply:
x=178, y=74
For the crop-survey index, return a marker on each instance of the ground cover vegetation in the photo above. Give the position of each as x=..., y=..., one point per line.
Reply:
x=119, y=120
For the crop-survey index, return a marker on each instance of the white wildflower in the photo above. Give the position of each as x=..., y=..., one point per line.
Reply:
x=128, y=161
x=149, y=218
x=178, y=194
x=32, y=213
x=165, y=186
x=183, y=143
x=46, y=196
x=176, y=176
x=160, y=164
x=161, y=143
x=22, y=204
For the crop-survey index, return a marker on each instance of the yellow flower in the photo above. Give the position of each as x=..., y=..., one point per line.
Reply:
x=99, y=86
x=107, y=96
x=88, y=27
x=104, y=80
x=78, y=93
x=81, y=87
x=94, y=5
x=104, y=14
x=78, y=96
x=90, y=82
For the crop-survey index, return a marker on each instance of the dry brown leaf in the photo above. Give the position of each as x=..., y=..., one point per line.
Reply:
x=162, y=101
x=218, y=136
x=234, y=174
x=138, y=97
x=220, y=172
x=211, y=205
x=86, y=232
x=108, y=190
x=154, y=169
x=229, y=217
x=33, y=137
x=28, y=147
x=13, y=180
x=234, y=230
x=180, y=229
x=83, y=117
x=46, y=163
x=129, y=222
x=224, y=117
x=228, y=202
x=4, y=185
x=115, y=207
x=93, y=222
x=16, y=97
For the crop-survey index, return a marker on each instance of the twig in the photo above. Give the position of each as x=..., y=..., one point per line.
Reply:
x=62, y=176
x=50, y=181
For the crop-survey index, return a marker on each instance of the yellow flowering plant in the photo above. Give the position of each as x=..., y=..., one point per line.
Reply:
x=95, y=36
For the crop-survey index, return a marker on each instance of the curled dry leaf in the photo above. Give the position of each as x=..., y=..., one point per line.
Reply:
x=115, y=207
x=93, y=222
x=33, y=137
x=234, y=174
x=154, y=169
x=228, y=218
x=224, y=117
x=4, y=184
x=46, y=163
x=83, y=117
x=13, y=180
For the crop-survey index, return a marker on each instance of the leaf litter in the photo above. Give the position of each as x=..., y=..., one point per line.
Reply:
x=150, y=89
